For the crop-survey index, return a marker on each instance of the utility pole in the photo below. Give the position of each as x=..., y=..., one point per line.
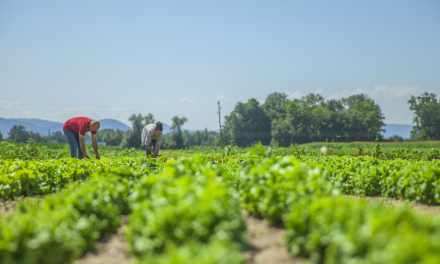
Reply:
x=220, y=123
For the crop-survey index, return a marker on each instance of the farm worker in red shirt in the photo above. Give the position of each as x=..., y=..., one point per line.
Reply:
x=75, y=130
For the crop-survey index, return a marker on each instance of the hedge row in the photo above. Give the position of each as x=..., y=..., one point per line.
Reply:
x=63, y=226
x=327, y=227
x=367, y=176
x=26, y=178
x=185, y=214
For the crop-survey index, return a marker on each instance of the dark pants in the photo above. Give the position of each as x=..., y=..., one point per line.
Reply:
x=152, y=145
x=75, y=149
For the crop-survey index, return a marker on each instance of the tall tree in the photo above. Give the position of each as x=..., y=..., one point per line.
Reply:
x=1, y=136
x=247, y=124
x=313, y=119
x=149, y=119
x=426, y=118
x=176, y=139
x=58, y=137
x=273, y=105
x=110, y=136
x=18, y=134
x=132, y=137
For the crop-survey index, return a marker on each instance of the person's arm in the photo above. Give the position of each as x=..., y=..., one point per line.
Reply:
x=82, y=145
x=153, y=153
x=95, y=146
x=148, y=137
x=158, y=144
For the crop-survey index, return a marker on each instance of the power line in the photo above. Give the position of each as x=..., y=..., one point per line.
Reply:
x=102, y=111
x=158, y=104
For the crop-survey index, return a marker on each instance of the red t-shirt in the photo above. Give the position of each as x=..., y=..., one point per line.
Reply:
x=78, y=125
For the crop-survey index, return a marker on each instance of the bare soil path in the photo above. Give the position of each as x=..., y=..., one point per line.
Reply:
x=267, y=242
x=7, y=206
x=113, y=250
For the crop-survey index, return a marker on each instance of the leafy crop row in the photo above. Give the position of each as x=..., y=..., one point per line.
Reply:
x=26, y=178
x=63, y=226
x=185, y=214
x=340, y=230
x=402, y=179
x=327, y=227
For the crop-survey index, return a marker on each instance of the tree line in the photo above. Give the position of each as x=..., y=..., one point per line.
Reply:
x=281, y=121
x=19, y=134
x=176, y=139
x=278, y=121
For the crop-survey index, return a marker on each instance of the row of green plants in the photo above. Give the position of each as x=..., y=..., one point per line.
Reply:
x=63, y=226
x=368, y=176
x=326, y=226
x=36, y=177
x=185, y=214
x=27, y=151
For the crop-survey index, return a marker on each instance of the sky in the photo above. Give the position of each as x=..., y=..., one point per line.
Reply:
x=111, y=59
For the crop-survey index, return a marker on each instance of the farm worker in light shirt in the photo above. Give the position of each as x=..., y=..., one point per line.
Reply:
x=152, y=138
x=75, y=130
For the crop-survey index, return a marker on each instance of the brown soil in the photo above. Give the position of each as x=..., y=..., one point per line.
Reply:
x=267, y=244
x=112, y=250
x=7, y=207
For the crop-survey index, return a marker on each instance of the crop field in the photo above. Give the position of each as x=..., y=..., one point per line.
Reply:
x=314, y=203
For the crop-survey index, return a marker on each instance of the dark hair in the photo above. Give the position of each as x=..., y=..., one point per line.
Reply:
x=159, y=126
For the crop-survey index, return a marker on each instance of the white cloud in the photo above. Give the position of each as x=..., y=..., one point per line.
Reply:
x=222, y=97
x=294, y=95
x=186, y=100
x=319, y=91
x=395, y=92
x=8, y=105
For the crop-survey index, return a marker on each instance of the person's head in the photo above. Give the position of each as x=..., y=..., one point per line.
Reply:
x=94, y=126
x=158, y=129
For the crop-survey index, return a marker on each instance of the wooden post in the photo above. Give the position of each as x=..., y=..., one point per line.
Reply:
x=220, y=123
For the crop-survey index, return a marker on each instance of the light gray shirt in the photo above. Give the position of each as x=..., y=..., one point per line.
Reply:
x=148, y=135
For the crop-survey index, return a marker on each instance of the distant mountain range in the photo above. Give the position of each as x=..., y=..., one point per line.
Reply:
x=43, y=126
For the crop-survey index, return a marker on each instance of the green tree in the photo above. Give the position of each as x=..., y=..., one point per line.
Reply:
x=58, y=137
x=313, y=119
x=176, y=137
x=273, y=106
x=426, y=118
x=1, y=136
x=18, y=134
x=110, y=136
x=395, y=138
x=132, y=137
x=247, y=124
x=149, y=119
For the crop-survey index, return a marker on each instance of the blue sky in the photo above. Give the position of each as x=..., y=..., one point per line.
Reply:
x=110, y=59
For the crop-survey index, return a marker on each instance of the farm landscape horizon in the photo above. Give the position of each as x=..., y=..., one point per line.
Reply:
x=219, y=132
x=193, y=205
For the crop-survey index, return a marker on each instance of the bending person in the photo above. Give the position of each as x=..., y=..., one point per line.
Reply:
x=152, y=138
x=75, y=130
